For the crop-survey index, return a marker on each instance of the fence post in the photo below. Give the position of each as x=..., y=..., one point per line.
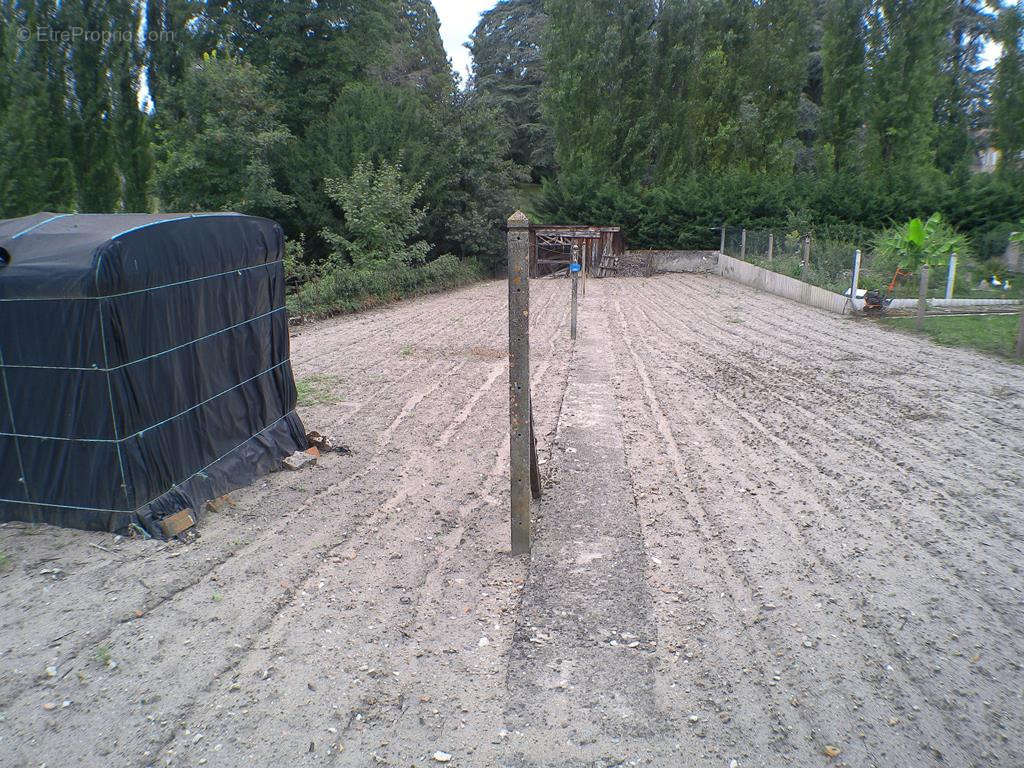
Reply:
x=856, y=275
x=721, y=247
x=771, y=246
x=743, y=244
x=519, y=409
x=586, y=260
x=805, y=256
x=951, y=276
x=573, y=277
x=1020, y=334
x=922, y=297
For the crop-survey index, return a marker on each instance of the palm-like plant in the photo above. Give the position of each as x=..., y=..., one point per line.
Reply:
x=921, y=242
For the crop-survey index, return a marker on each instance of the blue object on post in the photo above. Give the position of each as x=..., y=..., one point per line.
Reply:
x=575, y=267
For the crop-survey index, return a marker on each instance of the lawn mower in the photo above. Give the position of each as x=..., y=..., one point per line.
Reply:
x=875, y=302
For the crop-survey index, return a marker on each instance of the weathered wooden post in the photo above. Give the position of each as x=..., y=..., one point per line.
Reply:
x=771, y=246
x=922, y=297
x=574, y=272
x=743, y=244
x=1020, y=334
x=951, y=276
x=721, y=246
x=805, y=256
x=587, y=247
x=519, y=411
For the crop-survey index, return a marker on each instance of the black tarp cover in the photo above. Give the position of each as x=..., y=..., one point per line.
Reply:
x=144, y=365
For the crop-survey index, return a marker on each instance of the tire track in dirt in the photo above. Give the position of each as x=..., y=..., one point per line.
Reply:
x=967, y=416
x=776, y=638
x=457, y=536
x=738, y=585
x=753, y=375
x=811, y=425
x=815, y=463
x=873, y=343
x=788, y=340
x=182, y=594
x=740, y=445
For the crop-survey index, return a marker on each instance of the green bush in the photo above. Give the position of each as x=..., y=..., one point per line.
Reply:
x=350, y=289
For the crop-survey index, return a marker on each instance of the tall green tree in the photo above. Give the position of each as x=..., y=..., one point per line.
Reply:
x=309, y=49
x=131, y=124
x=597, y=64
x=961, y=95
x=843, y=52
x=509, y=73
x=93, y=134
x=1008, y=90
x=906, y=43
x=418, y=58
x=169, y=43
x=218, y=138
x=35, y=155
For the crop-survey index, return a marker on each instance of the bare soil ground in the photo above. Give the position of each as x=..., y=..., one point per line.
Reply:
x=805, y=551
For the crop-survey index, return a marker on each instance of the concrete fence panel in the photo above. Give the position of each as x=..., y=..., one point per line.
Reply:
x=781, y=285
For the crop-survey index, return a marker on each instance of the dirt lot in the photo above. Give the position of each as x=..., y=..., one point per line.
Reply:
x=805, y=551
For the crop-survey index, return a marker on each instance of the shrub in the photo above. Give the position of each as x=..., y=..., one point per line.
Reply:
x=350, y=289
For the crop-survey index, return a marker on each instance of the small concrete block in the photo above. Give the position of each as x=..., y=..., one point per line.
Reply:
x=180, y=521
x=299, y=460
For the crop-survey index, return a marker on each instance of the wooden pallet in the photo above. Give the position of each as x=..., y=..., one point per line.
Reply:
x=608, y=266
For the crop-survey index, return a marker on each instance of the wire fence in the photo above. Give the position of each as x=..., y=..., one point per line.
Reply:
x=826, y=259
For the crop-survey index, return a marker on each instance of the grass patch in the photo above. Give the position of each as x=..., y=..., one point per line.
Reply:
x=317, y=389
x=103, y=655
x=993, y=334
x=5, y=560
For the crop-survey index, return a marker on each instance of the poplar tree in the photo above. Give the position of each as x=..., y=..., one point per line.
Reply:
x=904, y=57
x=843, y=82
x=1008, y=91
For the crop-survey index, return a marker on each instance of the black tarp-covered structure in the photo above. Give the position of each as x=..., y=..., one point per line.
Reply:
x=145, y=365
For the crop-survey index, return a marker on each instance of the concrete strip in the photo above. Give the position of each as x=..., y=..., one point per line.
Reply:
x=581, y=661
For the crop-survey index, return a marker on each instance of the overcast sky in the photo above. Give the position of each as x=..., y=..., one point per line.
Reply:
x=458, y=18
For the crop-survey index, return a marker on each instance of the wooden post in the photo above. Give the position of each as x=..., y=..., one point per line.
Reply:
x=951, y=276
x=1020, y=334
x=922, y=297
x=771, y=246
x=534, y=464
x=743, y=244
x=587, y=247
x=519, y=411
x=805, y=257
x=721, y=247
x=573, y=277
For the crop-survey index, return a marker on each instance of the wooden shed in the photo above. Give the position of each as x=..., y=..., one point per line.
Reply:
x=551, y=247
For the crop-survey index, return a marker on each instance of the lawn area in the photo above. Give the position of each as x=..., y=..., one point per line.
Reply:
x=995, y=334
